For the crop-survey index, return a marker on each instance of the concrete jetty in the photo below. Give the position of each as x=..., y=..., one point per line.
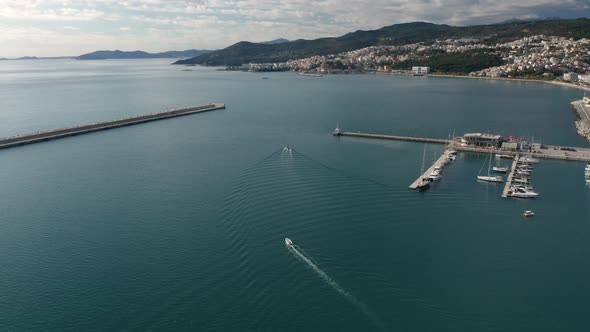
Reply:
x=582, y=108
x=392, y=137
x=438, y=162
x=41, y=136
x=547, y=152
x=510, y=176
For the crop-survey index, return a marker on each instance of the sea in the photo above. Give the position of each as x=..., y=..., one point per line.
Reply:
x=179, y=225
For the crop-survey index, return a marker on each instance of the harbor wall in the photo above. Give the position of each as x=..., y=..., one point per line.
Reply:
x=41, y=136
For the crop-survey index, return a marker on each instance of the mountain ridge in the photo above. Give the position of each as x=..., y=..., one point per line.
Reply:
x=398, y=34
x=118, y=54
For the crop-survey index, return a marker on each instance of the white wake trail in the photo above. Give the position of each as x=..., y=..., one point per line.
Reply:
x=337, y=287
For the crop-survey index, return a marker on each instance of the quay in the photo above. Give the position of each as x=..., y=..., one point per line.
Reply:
x=545, y=151
x=582, y=108
x=438, y=162
x=510, y=177
x=42, y=136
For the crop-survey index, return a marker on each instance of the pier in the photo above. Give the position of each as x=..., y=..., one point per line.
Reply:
x=510, y=176
x=582, y=108
x=42, y=136
x=438, y=162
x=392, y=137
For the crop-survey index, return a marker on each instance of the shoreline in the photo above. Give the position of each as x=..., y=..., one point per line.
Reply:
x=563, y=84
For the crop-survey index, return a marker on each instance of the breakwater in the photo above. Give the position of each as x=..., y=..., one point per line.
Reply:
x=582, y=118
x=42, y=136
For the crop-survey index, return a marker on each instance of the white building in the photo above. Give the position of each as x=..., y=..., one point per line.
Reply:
x=420, y=70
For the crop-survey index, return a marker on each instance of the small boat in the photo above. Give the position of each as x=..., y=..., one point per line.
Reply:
x=288, y=242
x=452, y=152
x=520, y=180
x=529, y=213
x=452, y=157
x=522, y=193
x=500, y=169
x=435, y=176
x=438, y=168
x=337, y=130
x=529, y=160
x=587, y=181
x=504, y=156
x=424, y=184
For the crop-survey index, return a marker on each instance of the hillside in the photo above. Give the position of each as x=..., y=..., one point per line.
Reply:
x=117, y=54
x=399, y=34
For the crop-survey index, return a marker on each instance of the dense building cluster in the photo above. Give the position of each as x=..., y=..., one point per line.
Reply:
x=547, y=56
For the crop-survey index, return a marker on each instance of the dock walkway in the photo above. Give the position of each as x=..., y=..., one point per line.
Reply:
x=438, y=162
x=393, y=137
x=510, y=176
x=42, y=136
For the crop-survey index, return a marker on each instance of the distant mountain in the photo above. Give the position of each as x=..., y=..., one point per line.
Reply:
x=39, y=58
x=276, y=41
x=519, y=20
x=399, y=34
x=117, y=54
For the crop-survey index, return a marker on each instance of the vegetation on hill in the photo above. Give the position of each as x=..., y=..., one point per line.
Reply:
x=117, y=54
x=399, y=34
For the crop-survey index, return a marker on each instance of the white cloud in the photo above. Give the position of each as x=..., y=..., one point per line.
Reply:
x=76, y=26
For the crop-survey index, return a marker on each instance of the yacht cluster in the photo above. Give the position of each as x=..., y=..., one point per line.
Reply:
x=521, y=179
x=436, y=174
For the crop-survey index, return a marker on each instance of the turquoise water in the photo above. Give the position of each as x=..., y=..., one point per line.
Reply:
x=179, y=224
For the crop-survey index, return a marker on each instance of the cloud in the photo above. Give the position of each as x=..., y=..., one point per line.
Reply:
x=159, y=24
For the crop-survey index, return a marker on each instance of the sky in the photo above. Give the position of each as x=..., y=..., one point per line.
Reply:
x=74, y=27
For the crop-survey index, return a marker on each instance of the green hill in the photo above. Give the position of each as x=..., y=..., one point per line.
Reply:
x=399, y=34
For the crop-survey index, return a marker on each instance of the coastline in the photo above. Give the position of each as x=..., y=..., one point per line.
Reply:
x=563, y=84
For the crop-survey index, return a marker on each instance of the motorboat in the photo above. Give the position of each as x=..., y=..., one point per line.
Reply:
x=288, y=242
x=529, y=213
x=522, y=193
x=424, y=184
x=438, y=168
x=435, y=176
x=500, y=169
x=452, y=157
x=520, y=180
x=529, y=160
x=452, y=152
x=504, y=156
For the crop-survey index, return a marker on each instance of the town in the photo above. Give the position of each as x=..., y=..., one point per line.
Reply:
x=540, y=57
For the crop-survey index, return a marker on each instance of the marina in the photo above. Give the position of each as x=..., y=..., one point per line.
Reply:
x=523, y=153
x=48, y=135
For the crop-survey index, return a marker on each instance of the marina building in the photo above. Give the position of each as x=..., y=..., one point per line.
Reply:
x=482, y=140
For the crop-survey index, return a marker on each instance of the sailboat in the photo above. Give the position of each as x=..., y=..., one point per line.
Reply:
x=490, y=178
x=424, y=182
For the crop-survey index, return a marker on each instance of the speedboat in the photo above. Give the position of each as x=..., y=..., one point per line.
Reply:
x=452, y=157
x=288, y=242
x=520, y=180
x=500, y=169
x=490, y=178
x=529, y=213
x=529, y=160
x=522, y=193
x=452, y=152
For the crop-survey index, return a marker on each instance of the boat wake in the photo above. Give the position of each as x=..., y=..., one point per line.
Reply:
x=374, y=319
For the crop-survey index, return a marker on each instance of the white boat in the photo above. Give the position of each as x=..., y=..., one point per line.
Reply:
x=452, y=157
x=452, y=152
x=529, y=160
x=522, y=193
x=500, y=169
x=337, y=130
x=424, y=182
x=288, y=242
x=520, y=180
x=529, y=213
x=587, y=181
x=435, y=176
x=490, y=178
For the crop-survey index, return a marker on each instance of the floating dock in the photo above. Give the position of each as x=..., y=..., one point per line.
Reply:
x=42, y=136
x=438, y=162
x=510, y=176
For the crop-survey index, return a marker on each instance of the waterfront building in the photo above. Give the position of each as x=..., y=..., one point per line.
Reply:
x=509, y=146
x=482, y=140
x=420, y=70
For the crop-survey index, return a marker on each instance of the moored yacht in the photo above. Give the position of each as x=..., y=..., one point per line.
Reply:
x=500, y=169
x=523, y=193
x=435, y=175
x=490, y=178
x=529, y=160
x=504, y=156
